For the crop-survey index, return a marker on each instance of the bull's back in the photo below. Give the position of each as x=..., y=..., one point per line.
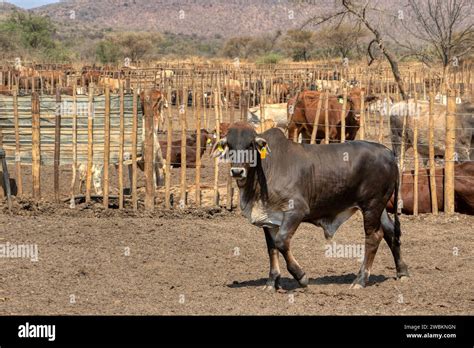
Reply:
x=329, y=175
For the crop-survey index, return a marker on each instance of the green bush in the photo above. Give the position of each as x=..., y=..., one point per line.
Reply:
x=270, y=58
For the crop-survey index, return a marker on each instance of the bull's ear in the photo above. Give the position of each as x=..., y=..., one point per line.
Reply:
x=219, y=148
x=260, y=142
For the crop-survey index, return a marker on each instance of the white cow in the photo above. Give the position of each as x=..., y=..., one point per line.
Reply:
x=464, y=126
x=443, y=99
x=274, y=112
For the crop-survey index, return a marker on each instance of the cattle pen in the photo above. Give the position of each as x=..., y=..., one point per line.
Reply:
x=61, y=117
x=83, y=145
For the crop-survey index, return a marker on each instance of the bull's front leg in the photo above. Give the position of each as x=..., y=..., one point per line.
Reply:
x=273, y=282
x=282, y=242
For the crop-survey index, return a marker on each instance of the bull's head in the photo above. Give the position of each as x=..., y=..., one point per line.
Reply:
x=242, y=148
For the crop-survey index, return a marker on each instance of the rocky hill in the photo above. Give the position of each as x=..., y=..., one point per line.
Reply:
x=205, y=18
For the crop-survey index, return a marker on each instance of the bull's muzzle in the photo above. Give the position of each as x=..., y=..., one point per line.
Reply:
x=238, y=172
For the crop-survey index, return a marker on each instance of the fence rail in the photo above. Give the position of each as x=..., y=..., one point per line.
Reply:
x=43, y=125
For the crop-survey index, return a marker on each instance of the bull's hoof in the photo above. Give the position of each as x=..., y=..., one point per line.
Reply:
x=269, y=288
x=273, y=284
x=356, y=286
x=304, y=281
x=404, y=278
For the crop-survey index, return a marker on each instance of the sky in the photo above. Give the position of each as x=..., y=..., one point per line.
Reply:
x=30, y=3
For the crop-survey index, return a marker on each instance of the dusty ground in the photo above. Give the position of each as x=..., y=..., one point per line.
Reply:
x=214, y=262
x=210, y=261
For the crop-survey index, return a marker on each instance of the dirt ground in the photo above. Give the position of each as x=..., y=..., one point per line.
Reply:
x=210, y=261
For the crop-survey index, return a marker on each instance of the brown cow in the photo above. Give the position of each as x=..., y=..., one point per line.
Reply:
x=190, y=149
x=463, y=190
x=303, y=113
x=90, y=76
x=224, y=128
x=282, y=91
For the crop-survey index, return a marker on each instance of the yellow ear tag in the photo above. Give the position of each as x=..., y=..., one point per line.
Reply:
x=219, y=147
x=209, y=141
x=263, y=152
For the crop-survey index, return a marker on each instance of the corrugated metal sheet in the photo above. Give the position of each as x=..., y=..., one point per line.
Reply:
x=47, y=124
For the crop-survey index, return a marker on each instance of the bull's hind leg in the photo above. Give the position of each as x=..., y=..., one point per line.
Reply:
x=273, y=282
x=394, y=245
x=373, y=237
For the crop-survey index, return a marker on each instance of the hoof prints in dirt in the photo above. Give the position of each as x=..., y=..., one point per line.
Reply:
x=95, y=208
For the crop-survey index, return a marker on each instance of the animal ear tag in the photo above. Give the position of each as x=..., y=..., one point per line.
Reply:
x=220, y=148
x=340, y=100
x=209, y=141
x=263, y=152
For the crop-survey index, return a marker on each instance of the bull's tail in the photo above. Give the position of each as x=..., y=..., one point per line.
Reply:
x=397, y=230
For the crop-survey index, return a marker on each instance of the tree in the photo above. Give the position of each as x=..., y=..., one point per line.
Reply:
x=136, y=45
x=26, y=34
x=358, y=13
x=297, y=44
x=33, y=32
x=445, y=26
x=247, y=47
x=107, y=52
x=237, y=47
x=342, y=40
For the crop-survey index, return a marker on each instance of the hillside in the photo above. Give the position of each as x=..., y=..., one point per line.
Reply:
x=6, y=9
x=206, y=18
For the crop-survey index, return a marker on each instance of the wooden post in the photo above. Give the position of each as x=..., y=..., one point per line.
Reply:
x=402, y=153
x=57, y=144
x=262, y=104
x=434, y=194
x=74, y=145
x=216, y=160
x=121, y=145
x=19, y=180
x=450, y=153
x=229, y=165
x=343, y=115
x=316, y=120
x=326, y=117
x=134, y=150
x=204, y=106
x=106, y=146
x=169, y=130
x=415, y=153
x=198, y=152
x=148, y=155
x=36, y=146
x=362, y=116
x=90, y=143
x=182, y=120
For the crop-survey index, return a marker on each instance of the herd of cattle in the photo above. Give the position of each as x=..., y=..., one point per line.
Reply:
x=301, y=120
x=296, y=108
